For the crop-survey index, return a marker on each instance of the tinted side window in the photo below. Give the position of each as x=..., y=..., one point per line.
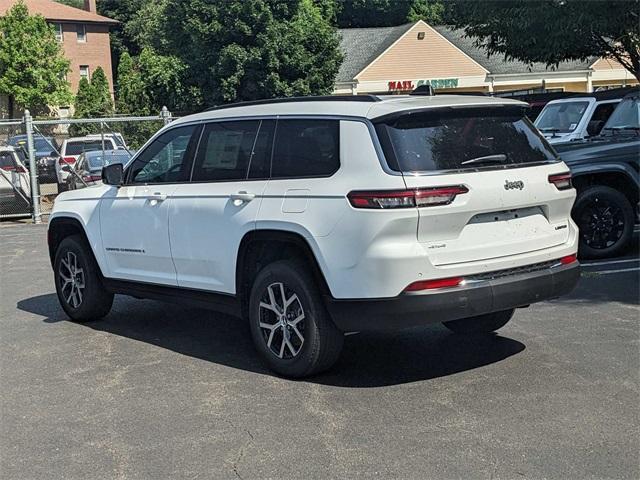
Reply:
x=306, y=148
x=225, y=151
x=261, y=160
x=165, y=160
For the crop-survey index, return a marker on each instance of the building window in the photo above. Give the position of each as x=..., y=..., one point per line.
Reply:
x=84, y=72
x=82, y=33
x=58, y=31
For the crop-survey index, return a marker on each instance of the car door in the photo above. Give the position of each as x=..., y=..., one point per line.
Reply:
x=134, y=218
x=210, y=214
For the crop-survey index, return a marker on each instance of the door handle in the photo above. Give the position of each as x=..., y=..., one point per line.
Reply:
x=242, y=197
x=157, y=196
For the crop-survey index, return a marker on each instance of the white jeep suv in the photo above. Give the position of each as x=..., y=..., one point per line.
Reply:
x=315, y=217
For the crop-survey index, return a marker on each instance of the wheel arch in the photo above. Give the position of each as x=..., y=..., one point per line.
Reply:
x=261, y=247
x=61, y=227
x=613, y=176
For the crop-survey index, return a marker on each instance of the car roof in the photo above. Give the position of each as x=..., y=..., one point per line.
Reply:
x=86, y=139
x=369, y=107
x=7, y=148
x=114, y=153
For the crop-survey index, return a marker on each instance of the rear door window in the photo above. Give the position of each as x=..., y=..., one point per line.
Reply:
x=226, y=150
x=461, y=140
x=306, y=148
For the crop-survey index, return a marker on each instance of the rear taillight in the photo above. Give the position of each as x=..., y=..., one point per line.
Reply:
x=11, y=168
x=419, y=197
x=431, y=284
x=569, y=259
x=66, y=160
x=562, y=181
x=91, y=178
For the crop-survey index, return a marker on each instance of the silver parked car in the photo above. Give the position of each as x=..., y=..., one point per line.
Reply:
x=88, y=168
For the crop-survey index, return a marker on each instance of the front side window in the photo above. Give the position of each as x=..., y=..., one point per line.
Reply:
x=563, y=117
x=226, y=150
x=306, y=148
x=462, y=139
x=165, y=160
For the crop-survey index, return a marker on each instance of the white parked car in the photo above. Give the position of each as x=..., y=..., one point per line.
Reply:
x=315, y=217
x=15, y=189
x=73, y=147
x=577, y=117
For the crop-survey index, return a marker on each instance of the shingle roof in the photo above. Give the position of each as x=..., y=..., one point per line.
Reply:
x=496, y=64
x=361, y=46
x=57, y=11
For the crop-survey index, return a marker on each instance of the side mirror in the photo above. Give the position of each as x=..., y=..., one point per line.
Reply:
x=112, y=174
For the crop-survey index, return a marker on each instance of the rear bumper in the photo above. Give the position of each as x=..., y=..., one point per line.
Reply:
x=474, y=298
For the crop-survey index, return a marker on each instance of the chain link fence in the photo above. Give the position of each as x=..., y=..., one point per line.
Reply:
x=40, y=158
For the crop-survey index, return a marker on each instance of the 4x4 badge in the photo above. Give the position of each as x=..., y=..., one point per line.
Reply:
x=513, y=185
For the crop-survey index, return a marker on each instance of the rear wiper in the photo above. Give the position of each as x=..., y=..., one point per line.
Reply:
x=498, y=158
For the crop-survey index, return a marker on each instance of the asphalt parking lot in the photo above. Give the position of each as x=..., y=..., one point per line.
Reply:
x=160, y=391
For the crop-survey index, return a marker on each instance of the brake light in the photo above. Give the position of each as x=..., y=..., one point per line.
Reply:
x=419, y=197
x=91, y=178
x=431, y=284
x=66, y=160
x=11, y=168
x=569, y=259
x=562, y=181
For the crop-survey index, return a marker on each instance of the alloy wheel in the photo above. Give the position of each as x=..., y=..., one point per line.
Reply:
x=281, y=319
x=72, y=280
x=601, y=224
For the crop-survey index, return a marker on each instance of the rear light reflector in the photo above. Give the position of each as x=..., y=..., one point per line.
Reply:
x=569, y=259
x=431, y=284
x=66, y=160
x=562, y=181
x=420, y=197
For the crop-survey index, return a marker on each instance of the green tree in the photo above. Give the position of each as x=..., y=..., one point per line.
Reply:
x=552, y=31
x=247, y=49
x=93, y=100
x=32, y=65
x=146, y=83
x=373, y=13
x=432, y=12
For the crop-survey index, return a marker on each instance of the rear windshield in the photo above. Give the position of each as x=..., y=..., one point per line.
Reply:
x=96, y=162
x=76, y=148
x=461, y=140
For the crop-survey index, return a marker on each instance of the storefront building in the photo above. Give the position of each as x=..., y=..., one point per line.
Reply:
x=398, y=59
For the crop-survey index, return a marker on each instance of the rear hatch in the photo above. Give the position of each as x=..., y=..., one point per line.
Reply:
x=501, y=201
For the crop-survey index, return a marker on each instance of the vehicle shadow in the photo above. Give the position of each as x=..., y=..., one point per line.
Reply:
x=368, y=359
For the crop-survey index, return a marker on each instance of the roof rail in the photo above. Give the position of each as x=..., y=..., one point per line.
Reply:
x=319, y=98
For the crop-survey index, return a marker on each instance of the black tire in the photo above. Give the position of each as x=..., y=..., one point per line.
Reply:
x=487, y=323
x=321, y=340
x=94, y=301
x=62, y=187
x=605, y=219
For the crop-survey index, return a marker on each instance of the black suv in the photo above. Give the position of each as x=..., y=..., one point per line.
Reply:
x=605, y=174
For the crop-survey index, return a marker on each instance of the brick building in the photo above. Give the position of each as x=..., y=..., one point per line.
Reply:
x=83, y=33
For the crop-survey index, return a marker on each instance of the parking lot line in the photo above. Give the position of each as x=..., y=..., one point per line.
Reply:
x=611, y=262
x=621, y=270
